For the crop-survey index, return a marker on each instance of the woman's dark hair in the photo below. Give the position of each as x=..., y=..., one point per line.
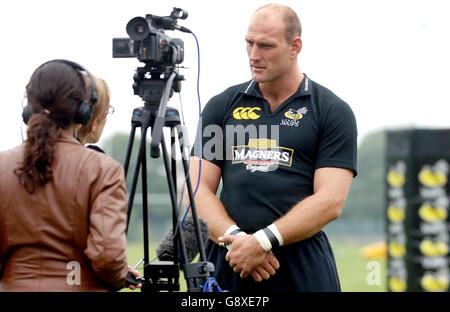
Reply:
x=54, y=93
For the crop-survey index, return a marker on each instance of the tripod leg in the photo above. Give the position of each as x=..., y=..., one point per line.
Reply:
x=175, y=217
x=144, y=198
x=174, y=209
x=174, y=156
x=191, y=197
x=130, y=148
x=127, y=163
x=136, y=173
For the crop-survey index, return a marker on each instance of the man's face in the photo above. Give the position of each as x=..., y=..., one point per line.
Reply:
x=269, y=54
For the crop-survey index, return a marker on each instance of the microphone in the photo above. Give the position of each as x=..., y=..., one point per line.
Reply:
x=182, y=28
x=165, y=249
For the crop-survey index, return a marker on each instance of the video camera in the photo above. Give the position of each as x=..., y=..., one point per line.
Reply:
x=149, y=43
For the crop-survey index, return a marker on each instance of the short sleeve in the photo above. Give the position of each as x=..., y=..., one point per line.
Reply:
x=338, y=137
x=209, y=138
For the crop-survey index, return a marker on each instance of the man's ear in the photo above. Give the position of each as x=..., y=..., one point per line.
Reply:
x=296, y=45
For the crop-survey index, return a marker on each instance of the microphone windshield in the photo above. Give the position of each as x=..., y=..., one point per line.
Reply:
x=165, y=249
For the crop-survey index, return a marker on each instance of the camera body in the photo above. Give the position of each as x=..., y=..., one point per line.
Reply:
x=148, y=42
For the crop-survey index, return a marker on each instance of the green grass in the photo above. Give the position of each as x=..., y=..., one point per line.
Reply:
x=352, y=268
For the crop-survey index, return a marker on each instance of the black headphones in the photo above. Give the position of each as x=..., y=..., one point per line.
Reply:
x=85, y=109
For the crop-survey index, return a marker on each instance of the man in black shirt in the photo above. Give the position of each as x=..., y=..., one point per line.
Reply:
x=285, y=149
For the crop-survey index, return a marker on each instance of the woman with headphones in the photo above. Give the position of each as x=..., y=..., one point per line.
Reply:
x=62, y=206
x=91, y=132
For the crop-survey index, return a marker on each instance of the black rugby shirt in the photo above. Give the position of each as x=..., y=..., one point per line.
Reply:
x=268, y=158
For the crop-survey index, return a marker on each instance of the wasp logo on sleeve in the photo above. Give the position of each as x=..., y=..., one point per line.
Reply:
x=246, y=113
x=293, y=117
x=262, y=155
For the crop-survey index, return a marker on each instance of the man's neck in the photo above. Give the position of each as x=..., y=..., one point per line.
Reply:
x=276, y=92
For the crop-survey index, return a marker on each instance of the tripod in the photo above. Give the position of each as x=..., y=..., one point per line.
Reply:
x=155, y=91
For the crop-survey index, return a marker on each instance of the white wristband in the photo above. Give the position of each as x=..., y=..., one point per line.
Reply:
x=232, y=228
x=269, y=237
x=263, y=240
x=275, y=232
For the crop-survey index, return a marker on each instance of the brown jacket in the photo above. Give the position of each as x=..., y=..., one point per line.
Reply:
x=69, y=235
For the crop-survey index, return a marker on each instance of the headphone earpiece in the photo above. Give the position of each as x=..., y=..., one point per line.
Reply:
x=84, y=113
x=26, y=114
x=85, y=109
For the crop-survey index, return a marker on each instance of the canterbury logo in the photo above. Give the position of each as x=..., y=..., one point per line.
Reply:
x=246, y=113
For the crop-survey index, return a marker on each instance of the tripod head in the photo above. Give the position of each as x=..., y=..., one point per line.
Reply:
x=149, y=83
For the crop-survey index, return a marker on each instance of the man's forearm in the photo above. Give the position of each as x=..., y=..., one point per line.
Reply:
x=305, y=219
x=311, y=214
x=211, y=209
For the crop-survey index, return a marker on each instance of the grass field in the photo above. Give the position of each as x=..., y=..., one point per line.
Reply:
x=352, y=268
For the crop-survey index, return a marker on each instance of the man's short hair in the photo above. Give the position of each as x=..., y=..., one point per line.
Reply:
x=293, y=27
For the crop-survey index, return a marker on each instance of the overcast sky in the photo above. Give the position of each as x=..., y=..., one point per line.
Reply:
x=390, y=60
